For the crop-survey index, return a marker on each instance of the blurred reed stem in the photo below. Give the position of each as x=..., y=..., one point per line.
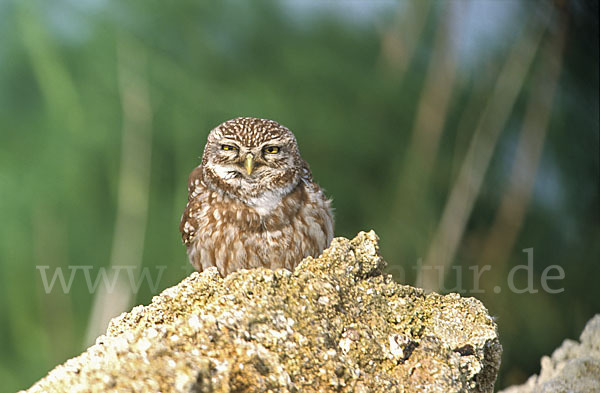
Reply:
x=400, y=41
x=465, y=190
x=134, y=185
x=56, y=84
x=410, y=205
x=515, y=200
x=47, y=236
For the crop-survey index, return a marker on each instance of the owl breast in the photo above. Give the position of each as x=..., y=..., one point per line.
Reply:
x=276, y=229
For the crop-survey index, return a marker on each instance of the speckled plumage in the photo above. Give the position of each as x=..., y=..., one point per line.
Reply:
x=262, y=211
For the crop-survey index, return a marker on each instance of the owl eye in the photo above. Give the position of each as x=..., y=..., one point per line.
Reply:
x=271, y=149
x=228, y=148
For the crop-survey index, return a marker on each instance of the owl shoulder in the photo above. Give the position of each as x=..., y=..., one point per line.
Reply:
x=189, y=221
x=195, y=182
x=305, y=173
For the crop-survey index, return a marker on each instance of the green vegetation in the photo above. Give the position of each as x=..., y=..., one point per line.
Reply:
x=461, y=132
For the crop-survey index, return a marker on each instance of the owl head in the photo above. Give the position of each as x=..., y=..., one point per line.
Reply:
x=250, y=158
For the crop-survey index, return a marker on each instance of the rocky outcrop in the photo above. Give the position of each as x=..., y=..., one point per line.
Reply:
x=573, y=367
x=336, y=323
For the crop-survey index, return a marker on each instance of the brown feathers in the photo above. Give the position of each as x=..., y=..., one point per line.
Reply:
x=271, y=217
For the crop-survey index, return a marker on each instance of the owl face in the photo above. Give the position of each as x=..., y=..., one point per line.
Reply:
x=249, y=157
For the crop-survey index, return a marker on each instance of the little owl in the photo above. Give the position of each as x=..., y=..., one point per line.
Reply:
x=252, y=202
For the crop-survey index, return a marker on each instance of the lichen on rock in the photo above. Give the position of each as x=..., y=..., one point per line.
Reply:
x=337, y=323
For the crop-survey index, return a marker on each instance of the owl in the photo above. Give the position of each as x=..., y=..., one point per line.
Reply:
x=253, y=202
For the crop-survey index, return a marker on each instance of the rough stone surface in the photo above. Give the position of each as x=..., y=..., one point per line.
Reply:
x=335, y=324
x=573, y=367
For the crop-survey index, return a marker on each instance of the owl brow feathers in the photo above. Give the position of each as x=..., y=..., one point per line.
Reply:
x=251, y=132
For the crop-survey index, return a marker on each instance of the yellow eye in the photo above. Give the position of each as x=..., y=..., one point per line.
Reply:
x=228, y=147
x=271, y=149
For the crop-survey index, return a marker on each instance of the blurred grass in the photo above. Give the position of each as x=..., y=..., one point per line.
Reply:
x=385, y=99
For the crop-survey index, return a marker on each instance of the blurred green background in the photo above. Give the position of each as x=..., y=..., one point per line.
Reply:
x=462, y=132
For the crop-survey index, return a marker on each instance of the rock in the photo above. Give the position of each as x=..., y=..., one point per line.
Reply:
x=573, y=367
x=337, y=323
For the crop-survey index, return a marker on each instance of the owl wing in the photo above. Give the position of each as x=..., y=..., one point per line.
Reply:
x=189, y=221
x=305, y=173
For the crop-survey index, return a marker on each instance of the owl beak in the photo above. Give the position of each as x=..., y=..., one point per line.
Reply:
x=249, y=163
